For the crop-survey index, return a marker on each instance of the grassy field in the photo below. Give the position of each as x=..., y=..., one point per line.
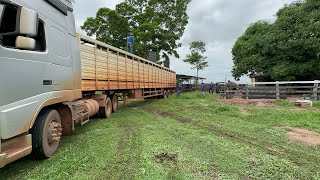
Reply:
x=186, y=137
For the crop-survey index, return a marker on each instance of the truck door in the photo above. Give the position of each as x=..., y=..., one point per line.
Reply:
x=25, y=73
x=22, y=70
x=60, y=58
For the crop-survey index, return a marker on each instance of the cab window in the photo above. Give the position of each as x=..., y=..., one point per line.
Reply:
x=9, y=28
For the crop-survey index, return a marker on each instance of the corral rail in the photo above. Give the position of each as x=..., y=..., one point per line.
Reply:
x=276, y=90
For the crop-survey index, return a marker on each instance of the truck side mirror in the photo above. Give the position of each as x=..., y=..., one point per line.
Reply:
x=28, y=26
x=29, y=22
x=25, y=43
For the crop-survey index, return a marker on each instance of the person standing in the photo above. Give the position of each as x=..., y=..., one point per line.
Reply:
x=203, y=88
x=211, y=88
x=179, y=89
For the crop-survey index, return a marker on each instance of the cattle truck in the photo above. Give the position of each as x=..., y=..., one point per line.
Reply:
x=53, y=78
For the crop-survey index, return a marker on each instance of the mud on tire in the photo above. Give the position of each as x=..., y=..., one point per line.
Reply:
x=115, y=102
x=46, y=134
x=105, y=112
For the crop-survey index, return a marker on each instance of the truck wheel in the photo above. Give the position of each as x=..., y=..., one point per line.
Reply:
x=165, y=94
x=105, y=112
x=114, y=103
x=46, y=134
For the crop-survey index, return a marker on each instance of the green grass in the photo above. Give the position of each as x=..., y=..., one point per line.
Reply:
x=206, y=138
x=316, y=103
x=284, y=103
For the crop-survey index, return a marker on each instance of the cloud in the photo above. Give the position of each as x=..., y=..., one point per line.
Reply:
x=219, y=23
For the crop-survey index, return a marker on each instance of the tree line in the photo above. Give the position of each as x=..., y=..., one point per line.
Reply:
x=155, y=24
x=286, y=50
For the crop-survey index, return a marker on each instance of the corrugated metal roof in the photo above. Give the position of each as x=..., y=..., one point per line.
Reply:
x=183, y=76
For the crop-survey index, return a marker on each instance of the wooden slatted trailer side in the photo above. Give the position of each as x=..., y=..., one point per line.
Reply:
x=110, y=70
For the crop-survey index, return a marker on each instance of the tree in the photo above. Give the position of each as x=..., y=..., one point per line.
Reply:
x=287, y=49
x=109, y=27
x=156, y=24
x=196, y=58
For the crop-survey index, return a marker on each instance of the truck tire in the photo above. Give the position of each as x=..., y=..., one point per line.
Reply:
x=105, y=112
x=46, y=134
x=115, y=102
x=165, y=94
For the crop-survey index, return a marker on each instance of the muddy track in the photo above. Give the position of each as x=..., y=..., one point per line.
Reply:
x=171, y=116
x=128, y=149
x=250, y=141
x=212, y=130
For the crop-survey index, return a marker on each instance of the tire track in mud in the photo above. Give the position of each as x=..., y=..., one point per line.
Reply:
x=127, y=155
x=255, y=142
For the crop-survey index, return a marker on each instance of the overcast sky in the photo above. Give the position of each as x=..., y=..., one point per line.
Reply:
x=219, y=23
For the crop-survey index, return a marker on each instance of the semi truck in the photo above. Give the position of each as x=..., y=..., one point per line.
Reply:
x=52, y=78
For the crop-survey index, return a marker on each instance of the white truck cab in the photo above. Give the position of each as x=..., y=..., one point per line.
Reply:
x=39, y=69
x=52, y=78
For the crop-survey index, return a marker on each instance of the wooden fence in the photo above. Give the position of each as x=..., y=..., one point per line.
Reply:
x=276, y=90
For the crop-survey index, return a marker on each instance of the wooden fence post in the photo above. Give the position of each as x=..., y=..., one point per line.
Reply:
x=315, y=89
x=278, y=90
x=247, y=93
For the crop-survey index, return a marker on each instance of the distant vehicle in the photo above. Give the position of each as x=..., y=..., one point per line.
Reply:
x=53, y=78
